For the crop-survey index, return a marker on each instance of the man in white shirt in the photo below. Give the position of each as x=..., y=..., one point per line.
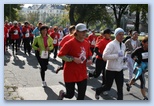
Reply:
x=114, y=54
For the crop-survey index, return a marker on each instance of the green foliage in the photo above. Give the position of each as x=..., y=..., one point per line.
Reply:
x=89, y=13
x=11, y=11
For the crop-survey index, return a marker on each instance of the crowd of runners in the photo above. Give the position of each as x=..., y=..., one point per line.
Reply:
x=79, y=47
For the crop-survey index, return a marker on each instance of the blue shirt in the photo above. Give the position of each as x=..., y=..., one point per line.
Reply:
x=36, y=32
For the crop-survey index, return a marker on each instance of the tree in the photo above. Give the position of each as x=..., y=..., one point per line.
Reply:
x=88, y=13
x=141, y=11
x=118, y=10
x=11, y=11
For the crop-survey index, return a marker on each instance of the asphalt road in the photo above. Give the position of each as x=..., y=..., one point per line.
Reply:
x=22, y=71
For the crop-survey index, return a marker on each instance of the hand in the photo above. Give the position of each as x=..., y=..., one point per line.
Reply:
x=38, y=49
x=120, y=54
x=47, y=49
x=77, y=60
x=125, y=59
x=89, y=62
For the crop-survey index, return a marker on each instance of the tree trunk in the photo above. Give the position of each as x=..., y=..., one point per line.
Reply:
x=71, y=15
x=137, y=21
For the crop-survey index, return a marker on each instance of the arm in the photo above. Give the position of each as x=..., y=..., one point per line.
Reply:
x=35, y=44
x=67, y=58
x=107, y=53
x=97, y=52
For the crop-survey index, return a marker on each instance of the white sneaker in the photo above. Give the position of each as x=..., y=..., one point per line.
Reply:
x=105, y=93
x=44, y=84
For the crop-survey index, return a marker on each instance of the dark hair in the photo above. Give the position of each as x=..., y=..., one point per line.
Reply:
x=145, y=39
x=26, y=22
x=130, y=31
x=71, y=28
x=44, y=27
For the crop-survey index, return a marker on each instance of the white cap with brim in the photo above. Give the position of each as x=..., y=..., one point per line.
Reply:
x=81, y=27
x=117, y=31
x=15, y=22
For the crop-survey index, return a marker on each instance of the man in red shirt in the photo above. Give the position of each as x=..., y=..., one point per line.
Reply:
x=92, y=40
x=76, y=54
x=100, y=63
x=63, y=41
x=26, y=37
x=55, y=36
x=14, y=32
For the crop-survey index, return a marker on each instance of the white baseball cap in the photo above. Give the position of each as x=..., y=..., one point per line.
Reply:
x=81, y=27
x=15, y=22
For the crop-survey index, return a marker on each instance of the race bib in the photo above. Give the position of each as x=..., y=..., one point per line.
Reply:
x=15, y=32
x=44, y=54
x=93, y=42
x=27, y=35
x=55, y=41
x=145, y=55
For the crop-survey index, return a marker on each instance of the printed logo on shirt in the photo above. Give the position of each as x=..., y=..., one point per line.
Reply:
x=55, y=40
x=15, y=32
x=83, y=54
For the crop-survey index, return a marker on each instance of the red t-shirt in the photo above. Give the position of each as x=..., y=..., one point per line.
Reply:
x=50, y=31
x=92, y=40
x=15, y=31
x=74, y=72
x=101, y=46
x=5, y=34
x=99, y=38
x=26, y=32
x=65, y=39
x=55, y=36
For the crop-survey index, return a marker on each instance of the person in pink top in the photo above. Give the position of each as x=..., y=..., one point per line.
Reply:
x=76, y=54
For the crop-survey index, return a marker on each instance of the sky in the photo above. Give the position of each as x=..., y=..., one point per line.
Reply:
x=26, y=5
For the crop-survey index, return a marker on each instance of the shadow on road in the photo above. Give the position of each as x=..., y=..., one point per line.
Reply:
x=51, y=95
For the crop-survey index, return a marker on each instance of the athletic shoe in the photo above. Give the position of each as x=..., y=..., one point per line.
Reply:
x=105, y=93
x=145, y=98
x=61, y=95
x=59, y=68
x=97, y=96
x=128, y=87
x=90, y=75
x=44, y=84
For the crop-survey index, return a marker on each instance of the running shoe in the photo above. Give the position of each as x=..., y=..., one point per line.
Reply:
x=128, y=87
x=105, y=93
x=145, y=98
x=96, y=96
x=61, y=95
x=44, y=84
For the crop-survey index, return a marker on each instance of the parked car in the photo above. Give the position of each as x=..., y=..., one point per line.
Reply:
x=142, y=34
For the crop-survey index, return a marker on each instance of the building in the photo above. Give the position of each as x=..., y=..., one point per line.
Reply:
x=45, y=10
